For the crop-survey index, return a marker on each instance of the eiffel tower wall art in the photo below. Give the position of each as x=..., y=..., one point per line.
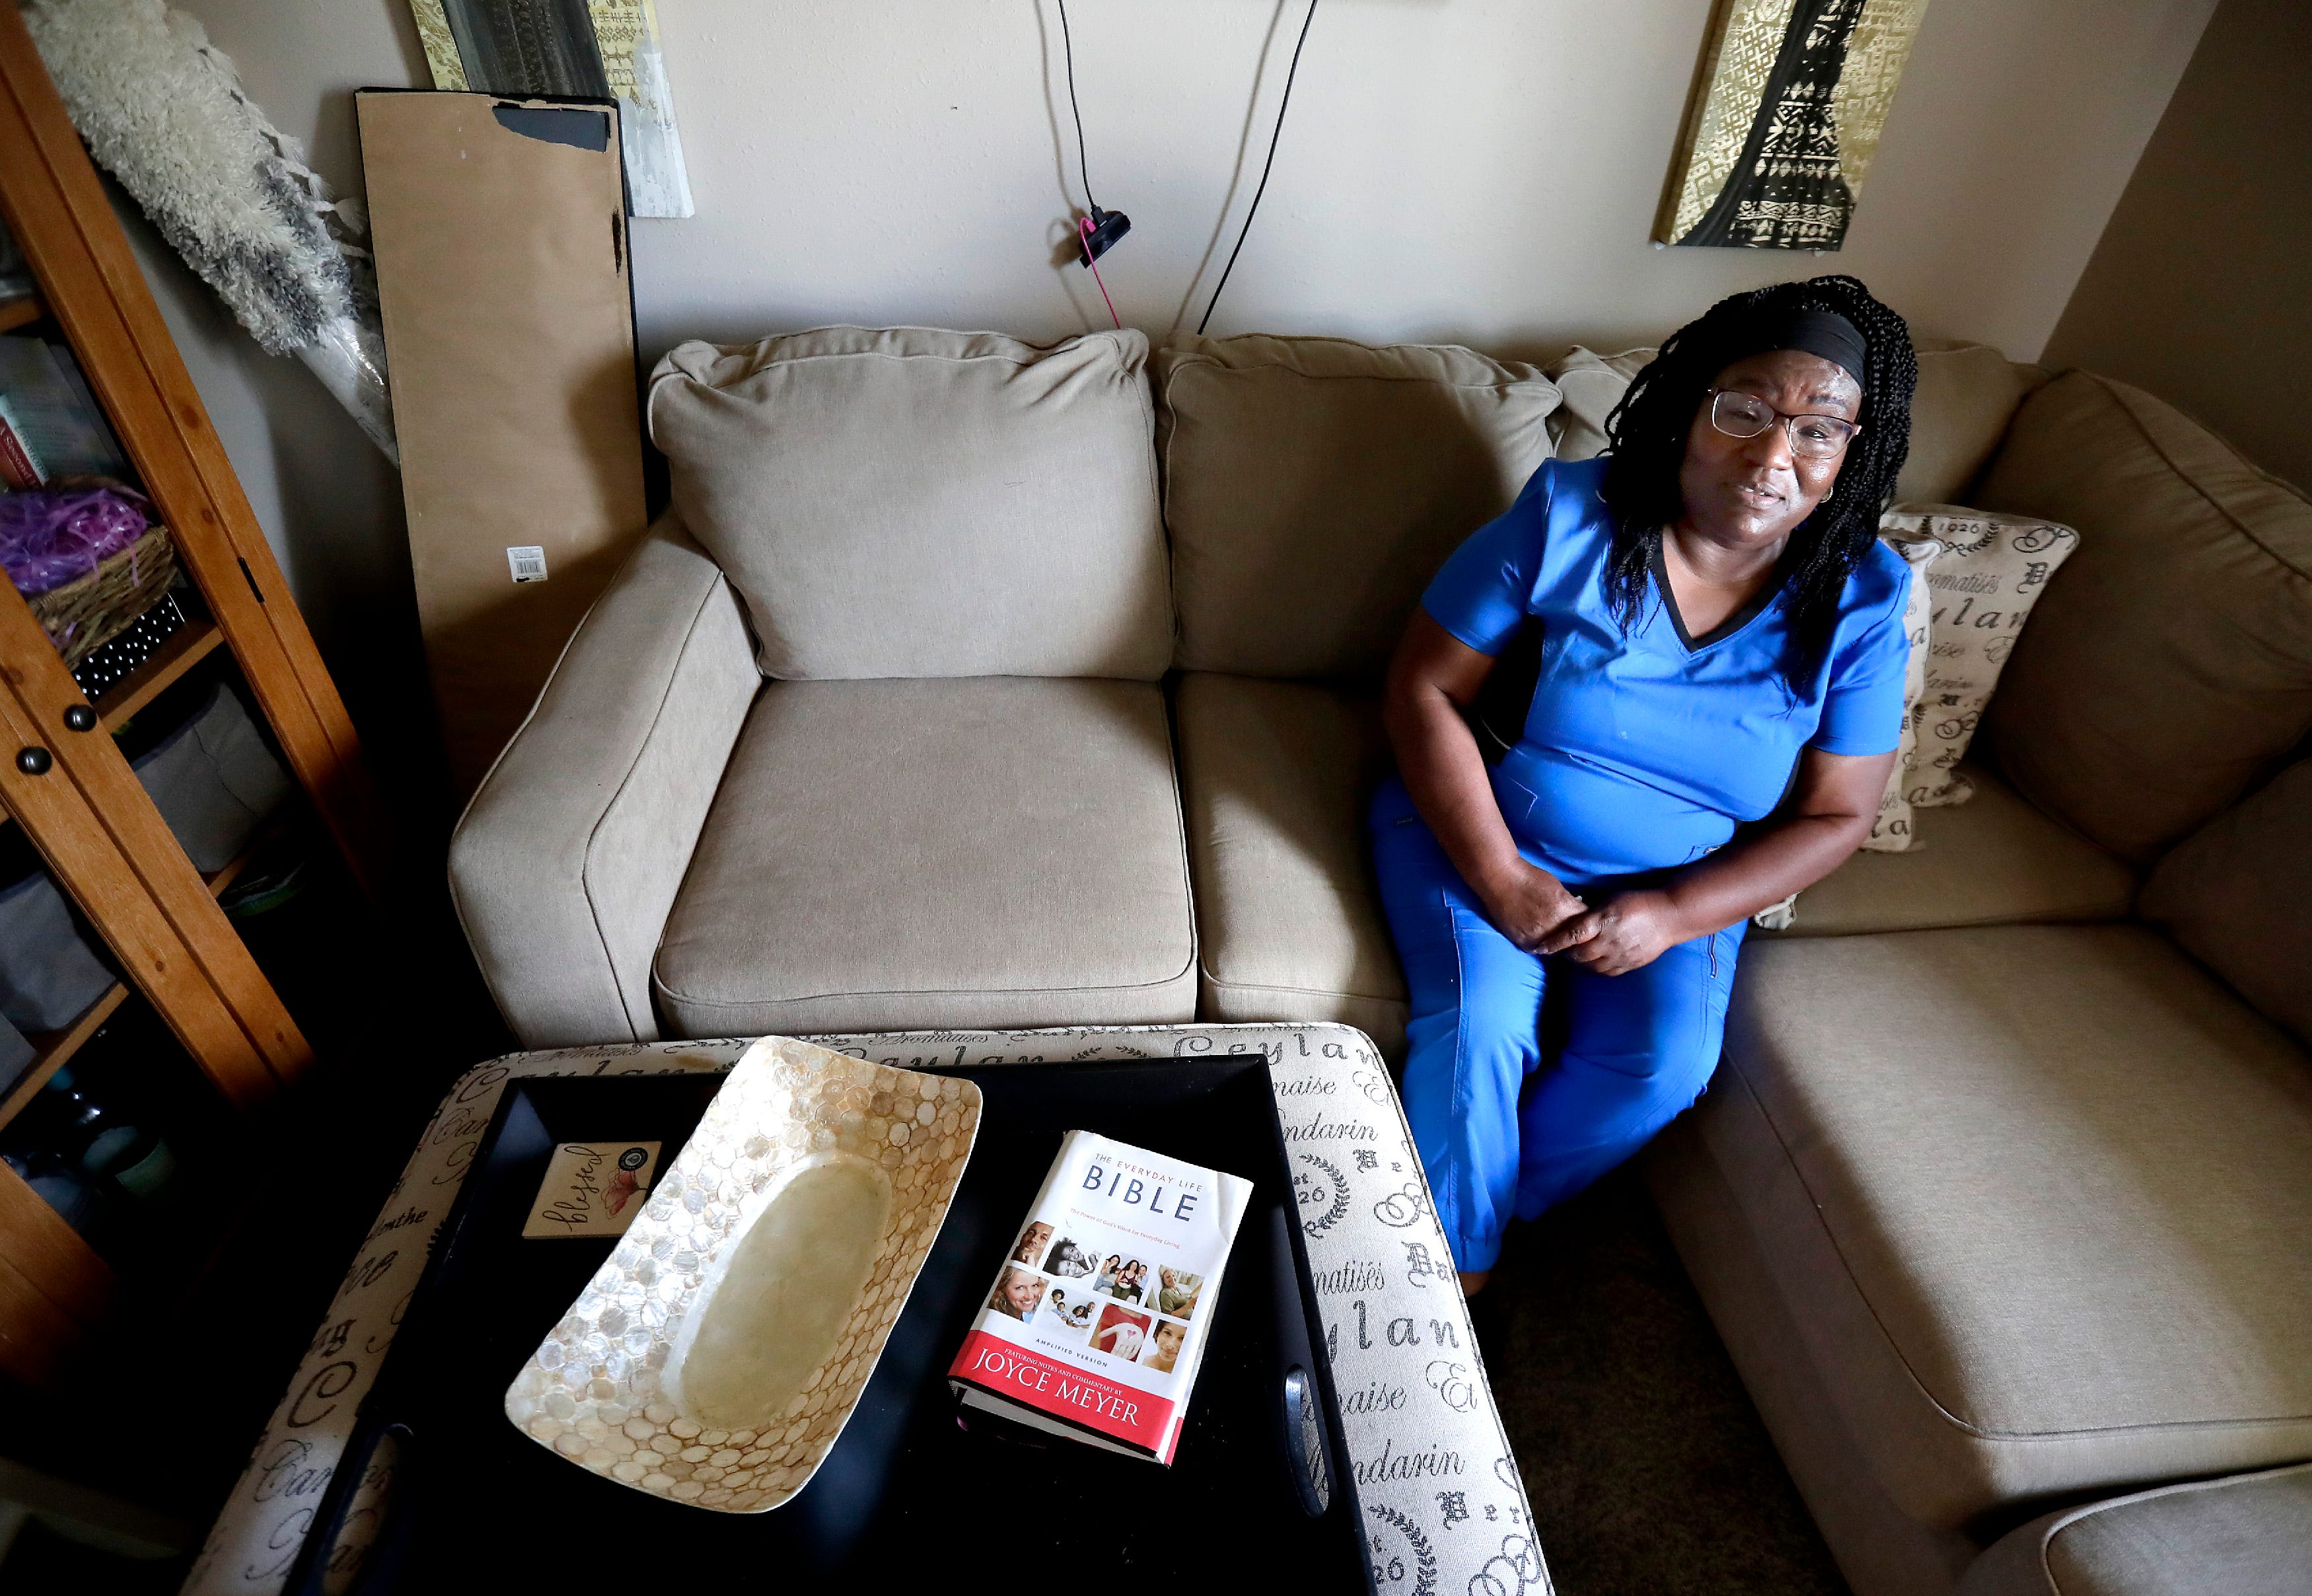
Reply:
x=1783, y=121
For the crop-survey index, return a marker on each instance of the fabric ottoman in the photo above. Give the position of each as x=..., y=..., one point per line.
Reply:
x=1445, y=1506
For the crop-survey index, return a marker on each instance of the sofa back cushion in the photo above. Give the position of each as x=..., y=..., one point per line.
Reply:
x=1966, y=394
x=1312, y=487
x=2170, y=662
x=913, y=503
x=2234, y=893
x=1589, y=386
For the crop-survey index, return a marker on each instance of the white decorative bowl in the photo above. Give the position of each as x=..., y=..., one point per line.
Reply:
x=652, y=1378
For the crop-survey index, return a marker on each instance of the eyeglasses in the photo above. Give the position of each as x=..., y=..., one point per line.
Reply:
x=1746, y=415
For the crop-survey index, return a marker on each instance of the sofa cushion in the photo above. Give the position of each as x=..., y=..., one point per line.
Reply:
x=2250, y=1535
x=2171, y=661
x=1965, y=396
x=1589, y=386
x=1880, y=1549
x=1312, y=487
x=995, y=851
x=1275, y=776
x=908, y=501
x=2040, y=1198
x=1992, y=861
x=2236, y=894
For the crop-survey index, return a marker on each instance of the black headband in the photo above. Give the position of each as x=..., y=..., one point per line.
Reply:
x=1825, y=333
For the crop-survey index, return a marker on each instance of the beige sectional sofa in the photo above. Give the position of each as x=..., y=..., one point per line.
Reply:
x=968, y=684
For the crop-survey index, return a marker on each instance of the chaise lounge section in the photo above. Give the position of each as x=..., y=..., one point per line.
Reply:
x=1999, y=1215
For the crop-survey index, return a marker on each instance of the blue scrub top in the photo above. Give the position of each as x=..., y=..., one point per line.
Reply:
x=1643, y=751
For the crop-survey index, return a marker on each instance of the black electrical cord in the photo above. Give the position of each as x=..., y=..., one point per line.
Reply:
x=1084, y=163
x=1281, y=105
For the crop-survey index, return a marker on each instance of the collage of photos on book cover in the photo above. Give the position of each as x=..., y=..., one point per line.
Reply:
x=1120, y=1306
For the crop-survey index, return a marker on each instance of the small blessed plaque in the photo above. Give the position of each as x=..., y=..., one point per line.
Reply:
x=592, y=1189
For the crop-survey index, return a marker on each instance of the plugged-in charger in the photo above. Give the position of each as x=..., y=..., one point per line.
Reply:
x=1103, y=229
x=1107, y=231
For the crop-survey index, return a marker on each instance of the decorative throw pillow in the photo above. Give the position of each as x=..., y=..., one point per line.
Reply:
x=1990, y=571
x=1892, y=831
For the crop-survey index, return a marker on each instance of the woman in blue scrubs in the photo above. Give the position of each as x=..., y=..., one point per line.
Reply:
x=1719, y=700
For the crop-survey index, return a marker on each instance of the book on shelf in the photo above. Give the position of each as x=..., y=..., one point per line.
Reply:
x=1095, y=1325
x=20, y=468
x=50, y=423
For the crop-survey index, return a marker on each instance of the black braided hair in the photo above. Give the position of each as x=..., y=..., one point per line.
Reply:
x=1646, y=435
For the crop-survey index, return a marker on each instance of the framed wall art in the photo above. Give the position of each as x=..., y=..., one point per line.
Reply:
x=1784, y=120
x=596, y=49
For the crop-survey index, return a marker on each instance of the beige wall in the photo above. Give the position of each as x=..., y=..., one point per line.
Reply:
x=2202, y=288
x=328, y=502
x=1478, y=170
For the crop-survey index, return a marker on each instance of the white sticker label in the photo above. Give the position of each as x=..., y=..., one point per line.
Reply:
x=528, y=564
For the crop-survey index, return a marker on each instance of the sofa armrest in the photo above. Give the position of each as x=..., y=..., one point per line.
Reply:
x=2249, y=1535
x=565, y=863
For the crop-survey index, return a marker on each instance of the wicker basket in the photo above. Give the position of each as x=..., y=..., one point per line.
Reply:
x=84, y=615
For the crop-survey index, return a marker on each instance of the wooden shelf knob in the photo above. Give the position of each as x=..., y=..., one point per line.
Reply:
x=80, y=717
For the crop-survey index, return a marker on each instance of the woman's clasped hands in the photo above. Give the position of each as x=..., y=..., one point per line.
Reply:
x=1626, y=932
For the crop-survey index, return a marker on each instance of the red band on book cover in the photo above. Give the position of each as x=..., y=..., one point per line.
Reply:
x=1061, y=1389
x=15, y=464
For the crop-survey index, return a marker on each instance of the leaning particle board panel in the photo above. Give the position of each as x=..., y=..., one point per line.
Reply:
x=500, y=231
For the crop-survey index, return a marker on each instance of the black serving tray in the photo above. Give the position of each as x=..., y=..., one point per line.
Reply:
x=914, y=1494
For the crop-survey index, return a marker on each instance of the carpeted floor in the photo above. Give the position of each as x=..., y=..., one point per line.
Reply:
x=395, y=1010
x=1648, y=1468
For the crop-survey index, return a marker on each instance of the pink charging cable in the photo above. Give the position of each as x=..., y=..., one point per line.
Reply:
x=1084, y=228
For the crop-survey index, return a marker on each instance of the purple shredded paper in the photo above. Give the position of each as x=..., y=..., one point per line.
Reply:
x=52, y=536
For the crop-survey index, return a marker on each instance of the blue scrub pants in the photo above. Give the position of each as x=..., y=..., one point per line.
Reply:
x=1636, y=1050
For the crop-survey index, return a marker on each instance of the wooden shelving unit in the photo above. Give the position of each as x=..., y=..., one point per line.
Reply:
x=51, y=1051
x=65, y=782
x=182, y=652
